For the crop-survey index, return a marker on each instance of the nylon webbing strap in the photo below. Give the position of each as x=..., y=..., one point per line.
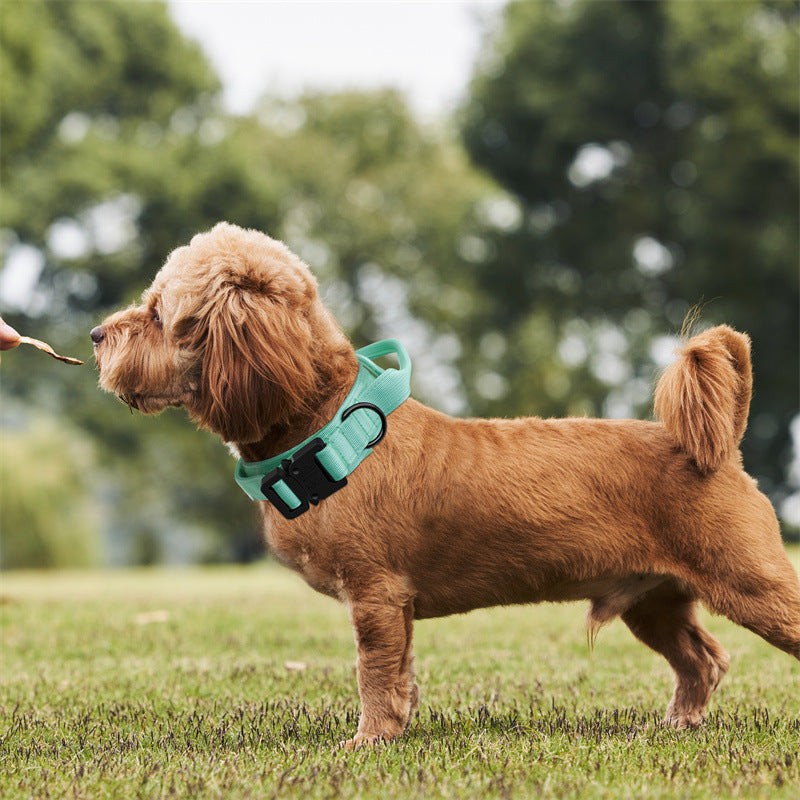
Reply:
x=293, y=478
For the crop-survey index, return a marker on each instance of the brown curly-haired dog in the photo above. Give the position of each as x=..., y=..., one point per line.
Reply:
x=644, y=519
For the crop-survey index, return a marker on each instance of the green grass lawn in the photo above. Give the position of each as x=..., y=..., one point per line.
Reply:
x=239, y=682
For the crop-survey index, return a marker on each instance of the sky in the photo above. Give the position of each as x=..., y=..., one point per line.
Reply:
x=426, y=49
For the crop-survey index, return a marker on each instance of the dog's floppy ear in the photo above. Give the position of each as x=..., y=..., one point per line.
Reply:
x=257, y=368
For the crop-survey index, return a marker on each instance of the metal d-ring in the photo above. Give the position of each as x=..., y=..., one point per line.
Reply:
x=371, y=407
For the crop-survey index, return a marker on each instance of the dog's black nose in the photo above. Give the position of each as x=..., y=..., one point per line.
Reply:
x=97, y=334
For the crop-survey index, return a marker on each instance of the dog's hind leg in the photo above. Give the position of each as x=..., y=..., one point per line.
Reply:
x=386, y=686
x=665, y=619
x=762, y=595
x=743, y=572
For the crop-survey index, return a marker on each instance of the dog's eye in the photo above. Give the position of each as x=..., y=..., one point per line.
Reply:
x=156, y=318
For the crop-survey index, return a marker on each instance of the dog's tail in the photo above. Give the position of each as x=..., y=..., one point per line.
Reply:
x=703, y=398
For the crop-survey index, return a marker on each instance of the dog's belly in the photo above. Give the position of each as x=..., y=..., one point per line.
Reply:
x=612, y=594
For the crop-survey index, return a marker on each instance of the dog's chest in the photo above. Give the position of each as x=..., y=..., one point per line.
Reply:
x=296, y=544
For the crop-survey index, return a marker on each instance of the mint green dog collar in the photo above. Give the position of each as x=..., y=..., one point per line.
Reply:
x=319, y=466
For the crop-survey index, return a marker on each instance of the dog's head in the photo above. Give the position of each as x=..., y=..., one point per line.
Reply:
x=226, y=330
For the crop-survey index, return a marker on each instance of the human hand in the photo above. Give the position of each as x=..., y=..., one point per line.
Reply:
x=9, y=338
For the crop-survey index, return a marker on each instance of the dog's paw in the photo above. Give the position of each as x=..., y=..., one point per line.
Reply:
x=361, y=740
x=684, y=721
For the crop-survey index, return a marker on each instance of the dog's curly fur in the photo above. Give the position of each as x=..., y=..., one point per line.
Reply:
x=644, y=519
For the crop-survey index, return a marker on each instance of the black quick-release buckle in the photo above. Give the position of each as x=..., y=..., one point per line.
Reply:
x=302, y=473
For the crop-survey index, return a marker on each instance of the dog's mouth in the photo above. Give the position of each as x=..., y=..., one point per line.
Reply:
x=137, y=388
x=131, y=400
x=148, y=404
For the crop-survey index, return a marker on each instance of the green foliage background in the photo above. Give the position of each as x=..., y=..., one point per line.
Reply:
x=510, y=271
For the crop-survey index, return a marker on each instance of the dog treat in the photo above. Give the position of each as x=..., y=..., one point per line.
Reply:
x=47, y=349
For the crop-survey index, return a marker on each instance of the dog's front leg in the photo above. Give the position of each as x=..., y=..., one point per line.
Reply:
x=384, y=667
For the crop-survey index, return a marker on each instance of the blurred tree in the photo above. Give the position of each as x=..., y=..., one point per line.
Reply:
x=628, y=158
x=48, y=516
x=378, y=205
x=113, y=153
x=126, y=159
x=651, y=153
